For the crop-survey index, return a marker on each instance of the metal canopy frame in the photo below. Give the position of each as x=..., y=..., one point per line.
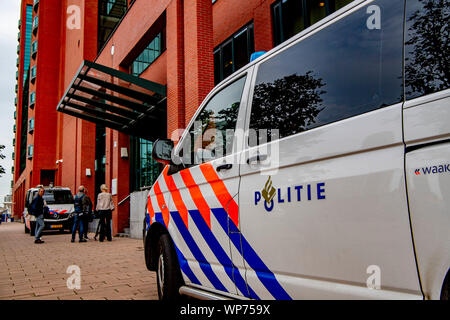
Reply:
x=117, y=100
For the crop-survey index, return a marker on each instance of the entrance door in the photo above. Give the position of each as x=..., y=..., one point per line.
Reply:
x=47, y=177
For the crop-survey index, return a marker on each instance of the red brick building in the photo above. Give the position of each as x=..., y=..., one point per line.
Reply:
x=183, y=47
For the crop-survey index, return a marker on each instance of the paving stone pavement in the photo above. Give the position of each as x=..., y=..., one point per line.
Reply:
x=109, y=270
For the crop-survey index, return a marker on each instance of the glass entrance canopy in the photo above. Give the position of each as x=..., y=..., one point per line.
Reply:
x=117, y=100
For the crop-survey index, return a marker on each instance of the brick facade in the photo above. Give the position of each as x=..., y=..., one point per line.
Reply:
x=193, y=29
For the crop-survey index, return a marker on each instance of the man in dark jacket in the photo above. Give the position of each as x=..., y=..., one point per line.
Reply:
x=80, y=203
x=87, y=213
x=37, y=210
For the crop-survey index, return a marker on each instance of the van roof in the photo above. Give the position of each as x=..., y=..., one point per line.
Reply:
x=51, y=188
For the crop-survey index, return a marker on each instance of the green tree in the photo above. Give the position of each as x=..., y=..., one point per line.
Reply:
x=290, y=104
x=2, y=156
x=428, y=49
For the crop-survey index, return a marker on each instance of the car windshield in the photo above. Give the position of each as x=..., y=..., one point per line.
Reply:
x=58, y=197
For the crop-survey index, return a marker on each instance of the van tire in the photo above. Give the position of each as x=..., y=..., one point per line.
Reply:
x=168, y=275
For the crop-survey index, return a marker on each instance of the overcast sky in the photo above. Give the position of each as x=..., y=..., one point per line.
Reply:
x=9, y=17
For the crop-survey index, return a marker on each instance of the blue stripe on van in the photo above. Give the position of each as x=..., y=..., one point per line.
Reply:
x=198, y=255
x=184, y=266
x=264, y=274
x=220, y=254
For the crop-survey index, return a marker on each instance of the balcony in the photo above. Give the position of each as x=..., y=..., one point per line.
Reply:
x=31, y=125
x=33, y=73
x=35, y=24
x=32, y=100
x=30, y=152
x=34, y=48
x=35, y=5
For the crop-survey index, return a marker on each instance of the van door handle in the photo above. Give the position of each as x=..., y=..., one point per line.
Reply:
x=257, y=158
x=226, y=166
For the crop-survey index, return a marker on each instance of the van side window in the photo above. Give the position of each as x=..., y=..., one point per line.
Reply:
x=351, y=67
x=427, y=50
x=211, y=136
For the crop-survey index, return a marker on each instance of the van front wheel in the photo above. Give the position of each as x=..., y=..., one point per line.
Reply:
x=169, y=279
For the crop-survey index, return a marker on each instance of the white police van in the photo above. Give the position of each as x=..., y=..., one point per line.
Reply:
x=321, y=170
x=60, y=204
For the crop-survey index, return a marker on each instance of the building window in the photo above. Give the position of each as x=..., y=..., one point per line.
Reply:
x=234, y=53
x=144, y=169
x=30, y=151
x=292, y=16
x=149, y=55
x=35, y=24
x=27, y=53
x=33, y=73
x=109, y=5
x=32, y=99
x=110, y=12
x=34, y=47
x=100, y=157
x=31, y=125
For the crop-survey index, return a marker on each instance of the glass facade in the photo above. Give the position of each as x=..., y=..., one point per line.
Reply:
x=27, y=52
x=25, y=94
x=110, y=12
x=233, y=53
x=149, y=55
x=100, y=157
x=292, y=16
x=144, y=170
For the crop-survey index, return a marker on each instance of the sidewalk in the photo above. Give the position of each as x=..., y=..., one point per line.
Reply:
x=109, y=270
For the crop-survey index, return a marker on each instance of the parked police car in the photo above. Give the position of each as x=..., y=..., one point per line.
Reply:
x=59, y=212
x=320, y=170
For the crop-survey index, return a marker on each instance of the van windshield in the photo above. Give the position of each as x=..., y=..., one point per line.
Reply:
x=58, y=197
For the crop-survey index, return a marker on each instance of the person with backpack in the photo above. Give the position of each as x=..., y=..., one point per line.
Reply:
x=37, y=210
x=80, y=204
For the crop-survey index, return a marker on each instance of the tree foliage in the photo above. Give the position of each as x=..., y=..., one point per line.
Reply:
x=427, y=63
x=290, y=104
x=2, y=156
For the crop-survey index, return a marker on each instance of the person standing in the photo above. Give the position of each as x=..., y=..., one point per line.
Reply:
x=37, y=210
x=104, y=208
x=87, y=213
x=78, y=214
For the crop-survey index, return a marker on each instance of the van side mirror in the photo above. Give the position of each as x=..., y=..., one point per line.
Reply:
x=162, y=151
